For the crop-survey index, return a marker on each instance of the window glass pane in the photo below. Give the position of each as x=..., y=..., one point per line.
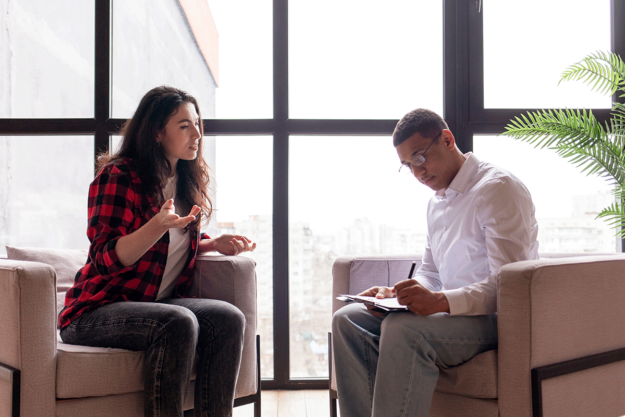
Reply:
x=198, y=47
x=566, y=200
x=525, y=56
x=46, y=64
x=346, y=197
x=356, y=59
x=43, y=199
x=245, y=29
x=243, y=205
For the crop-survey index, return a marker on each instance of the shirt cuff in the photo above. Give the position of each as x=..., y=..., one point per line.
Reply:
x=457, y=301
x=112, y=262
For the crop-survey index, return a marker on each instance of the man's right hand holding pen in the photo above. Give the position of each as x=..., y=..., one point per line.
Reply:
x=410, y=293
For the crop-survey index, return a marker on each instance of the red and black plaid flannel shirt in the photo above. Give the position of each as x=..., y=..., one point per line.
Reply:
x=118, y=207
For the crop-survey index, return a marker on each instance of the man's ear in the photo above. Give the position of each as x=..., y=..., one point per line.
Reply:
x=448, y=139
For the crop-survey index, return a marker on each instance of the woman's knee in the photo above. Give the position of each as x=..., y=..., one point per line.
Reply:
x=231, y=318
x=183, y=324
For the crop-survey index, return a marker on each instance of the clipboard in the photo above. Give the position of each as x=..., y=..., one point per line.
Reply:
x=382, y=305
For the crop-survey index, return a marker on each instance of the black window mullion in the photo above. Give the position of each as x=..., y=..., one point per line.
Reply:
x=618, y=46
x=456, y=72
x=281, y=329
x=102, y=85
x=46, y=126
x=494, y=121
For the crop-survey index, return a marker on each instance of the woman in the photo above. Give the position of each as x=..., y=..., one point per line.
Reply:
x=131, y=292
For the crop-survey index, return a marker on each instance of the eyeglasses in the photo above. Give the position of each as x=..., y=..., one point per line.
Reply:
x=417, y=160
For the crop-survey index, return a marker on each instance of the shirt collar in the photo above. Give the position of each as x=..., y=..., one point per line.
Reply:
x=461, y=181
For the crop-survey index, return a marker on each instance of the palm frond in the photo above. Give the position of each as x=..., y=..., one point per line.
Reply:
x=603, y=158
x=614, y=216
x=617, y=120
x=576, y=135
x=603, y=71
x=549, y=128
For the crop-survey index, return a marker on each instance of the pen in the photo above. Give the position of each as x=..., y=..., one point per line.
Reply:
x=414, y=263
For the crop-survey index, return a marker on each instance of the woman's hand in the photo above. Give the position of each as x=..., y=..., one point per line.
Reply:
x=227, y=245
x=131, y=247
x=168, y=219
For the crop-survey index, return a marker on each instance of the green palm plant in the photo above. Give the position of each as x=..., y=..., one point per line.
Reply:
x=576, y=135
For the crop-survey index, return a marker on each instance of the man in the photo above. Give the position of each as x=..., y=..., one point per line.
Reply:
x=480, y=218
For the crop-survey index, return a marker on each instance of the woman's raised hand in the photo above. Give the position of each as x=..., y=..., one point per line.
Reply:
x=168, y=219
x=227, y=245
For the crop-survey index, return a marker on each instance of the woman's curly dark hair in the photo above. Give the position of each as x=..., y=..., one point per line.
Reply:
x=139, y=144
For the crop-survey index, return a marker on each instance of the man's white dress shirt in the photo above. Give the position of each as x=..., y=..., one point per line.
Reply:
x=482, y=221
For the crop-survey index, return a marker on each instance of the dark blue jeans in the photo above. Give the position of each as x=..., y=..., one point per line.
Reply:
x=171, y=331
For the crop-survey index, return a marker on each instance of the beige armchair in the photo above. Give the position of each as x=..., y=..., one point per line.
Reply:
x=561, y=348
x=40, y=376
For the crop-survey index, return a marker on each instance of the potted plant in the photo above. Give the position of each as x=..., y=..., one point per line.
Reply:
x=597, y=148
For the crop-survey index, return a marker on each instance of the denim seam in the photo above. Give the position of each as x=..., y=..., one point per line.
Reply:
x=159, y=372
x=412, y=372
x=209, y=325
x=203, y=378
x=116, y=322
x=370, y=379
x=466, y=342
x=204, y=388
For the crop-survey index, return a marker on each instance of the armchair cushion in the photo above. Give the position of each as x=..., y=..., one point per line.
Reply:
x=66, y=262
x=118, y=371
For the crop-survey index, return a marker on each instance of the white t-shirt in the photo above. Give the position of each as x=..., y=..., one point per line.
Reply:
x=482, y=221
x=178, y=248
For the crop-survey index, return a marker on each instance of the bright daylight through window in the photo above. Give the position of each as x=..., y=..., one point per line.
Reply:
x=352, y=60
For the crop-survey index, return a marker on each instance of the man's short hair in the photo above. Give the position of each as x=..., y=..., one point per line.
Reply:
x=422, y=121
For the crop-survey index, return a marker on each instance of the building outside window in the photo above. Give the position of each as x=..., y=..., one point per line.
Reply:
x=365, y=60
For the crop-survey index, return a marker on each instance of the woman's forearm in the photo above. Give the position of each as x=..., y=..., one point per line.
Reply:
x=133, y=246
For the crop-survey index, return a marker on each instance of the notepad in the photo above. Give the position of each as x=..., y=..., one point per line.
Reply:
x=383, y=304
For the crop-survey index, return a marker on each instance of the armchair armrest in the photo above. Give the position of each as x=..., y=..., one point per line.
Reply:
x=28, y=332
x=232, y=279
x=551, y=311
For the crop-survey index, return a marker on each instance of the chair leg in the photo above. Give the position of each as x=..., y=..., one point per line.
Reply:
x=333, y=411
x=257, y=402
x=254, y=398
x=333, y=393
x=13, y=377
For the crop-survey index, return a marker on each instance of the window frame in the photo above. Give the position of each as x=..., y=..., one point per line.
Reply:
x=463, y=103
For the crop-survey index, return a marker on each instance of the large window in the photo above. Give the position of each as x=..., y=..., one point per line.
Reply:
x=299, y=100
x=46, y=59
x=346, y=197
x=364, y=59
x=525, y=56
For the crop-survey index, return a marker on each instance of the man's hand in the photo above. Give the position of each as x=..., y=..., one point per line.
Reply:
x=419, y=299
x=378, y=292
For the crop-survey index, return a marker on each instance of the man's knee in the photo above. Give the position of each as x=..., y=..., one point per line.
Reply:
x=351, y=317
x=398, y=324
